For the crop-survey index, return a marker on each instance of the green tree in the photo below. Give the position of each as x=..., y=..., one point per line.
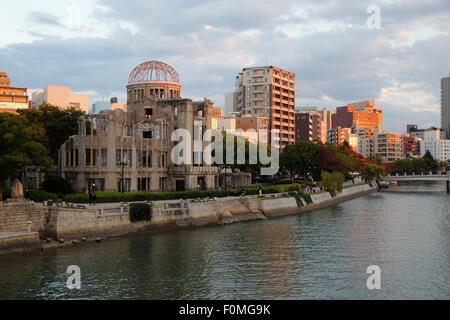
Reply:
x=402, y=166
x=300, y=158
x=333, y=182
x=376, y=159
x=57, y=184
x=58, y=124
x=369, y=172
x=22, y=143
x=430, y=163
x=253, y=168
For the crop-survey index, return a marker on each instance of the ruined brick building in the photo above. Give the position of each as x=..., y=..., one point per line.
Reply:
x=131, y=150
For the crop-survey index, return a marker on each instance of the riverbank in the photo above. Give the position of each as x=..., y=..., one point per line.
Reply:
x=63, y=226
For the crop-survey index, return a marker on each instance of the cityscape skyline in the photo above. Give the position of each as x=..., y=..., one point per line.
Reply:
x=338, y=59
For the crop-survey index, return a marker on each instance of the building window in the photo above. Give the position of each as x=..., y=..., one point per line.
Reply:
x=118, y=156
x=147, y=135
x=149, y=157
x=149, y=113
x=104, y=157
x=143, y=184
x=95, y=157
x=88, y=157
x=67, y=157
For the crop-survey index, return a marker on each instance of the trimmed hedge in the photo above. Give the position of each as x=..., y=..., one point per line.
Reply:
x=40, y=195
x=103, y=197
x=140, y=212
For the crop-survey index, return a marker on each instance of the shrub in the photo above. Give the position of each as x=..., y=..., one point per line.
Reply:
x=140, y=212
x=297, y=198
x=40, y=195
x=57, y=184
x=307, y=198
x=103, y=197
x=6, y=194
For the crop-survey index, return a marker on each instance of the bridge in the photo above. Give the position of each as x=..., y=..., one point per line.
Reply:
x=420, y=177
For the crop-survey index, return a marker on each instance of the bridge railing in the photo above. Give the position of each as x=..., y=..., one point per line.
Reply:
x=430, y=173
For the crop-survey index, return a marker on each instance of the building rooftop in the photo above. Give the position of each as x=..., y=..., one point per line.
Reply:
x=4, y=80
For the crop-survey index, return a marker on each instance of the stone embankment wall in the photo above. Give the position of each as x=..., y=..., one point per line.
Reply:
x=74, y=224
x=68, y=223
x=14, y=216
x=71, y=224
x=20, y=243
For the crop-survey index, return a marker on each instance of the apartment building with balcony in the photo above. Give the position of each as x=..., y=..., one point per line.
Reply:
x=269, y=92
x=338, y=136
x=11, y=98
x=435, y=142
x=388, y=146
x=308, y=124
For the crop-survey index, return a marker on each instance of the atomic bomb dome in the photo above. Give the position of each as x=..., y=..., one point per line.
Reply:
x=152, y=80
x=152, y=71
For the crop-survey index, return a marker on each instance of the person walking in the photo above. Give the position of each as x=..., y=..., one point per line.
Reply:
x=90, y=197
x=94, y=197
x=260, y=190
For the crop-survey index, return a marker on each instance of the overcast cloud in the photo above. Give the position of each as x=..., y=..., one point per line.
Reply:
x=93, y=46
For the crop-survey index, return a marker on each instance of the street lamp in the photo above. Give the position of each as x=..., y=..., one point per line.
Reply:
x=122, y=164
x=222, y=167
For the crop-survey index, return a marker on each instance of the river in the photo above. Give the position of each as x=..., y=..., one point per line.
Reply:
x=317, y=255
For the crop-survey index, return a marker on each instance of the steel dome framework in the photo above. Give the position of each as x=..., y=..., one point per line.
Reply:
x=153, y=71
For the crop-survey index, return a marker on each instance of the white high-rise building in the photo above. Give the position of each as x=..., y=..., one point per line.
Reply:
x=439, y=148
x=445, y=106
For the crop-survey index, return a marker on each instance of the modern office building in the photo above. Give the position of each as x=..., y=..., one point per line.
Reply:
x=338, y=136
x=231, y=105
x=388, y=146
x=435, y=142
x=100, y=106
x=419, y=135
x=225, y=124
x=410, y=147
x=132, y=150
x=358, y=115
x=365, y=146
x=61, y=97
x=445, y=106
x=217, y=112
x=308, y=124
x=254, y=128
x=267, y=92
x=12, y=98
x=327, y=123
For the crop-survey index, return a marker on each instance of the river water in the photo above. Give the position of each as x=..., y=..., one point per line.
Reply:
x=317, y=255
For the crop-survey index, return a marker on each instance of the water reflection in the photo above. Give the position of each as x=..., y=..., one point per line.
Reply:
x=321, y=254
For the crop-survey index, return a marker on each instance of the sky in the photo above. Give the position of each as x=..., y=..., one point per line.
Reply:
x=341, y=51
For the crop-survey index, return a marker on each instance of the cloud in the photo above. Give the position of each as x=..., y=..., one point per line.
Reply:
x=43, y=18
x=326, y=43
